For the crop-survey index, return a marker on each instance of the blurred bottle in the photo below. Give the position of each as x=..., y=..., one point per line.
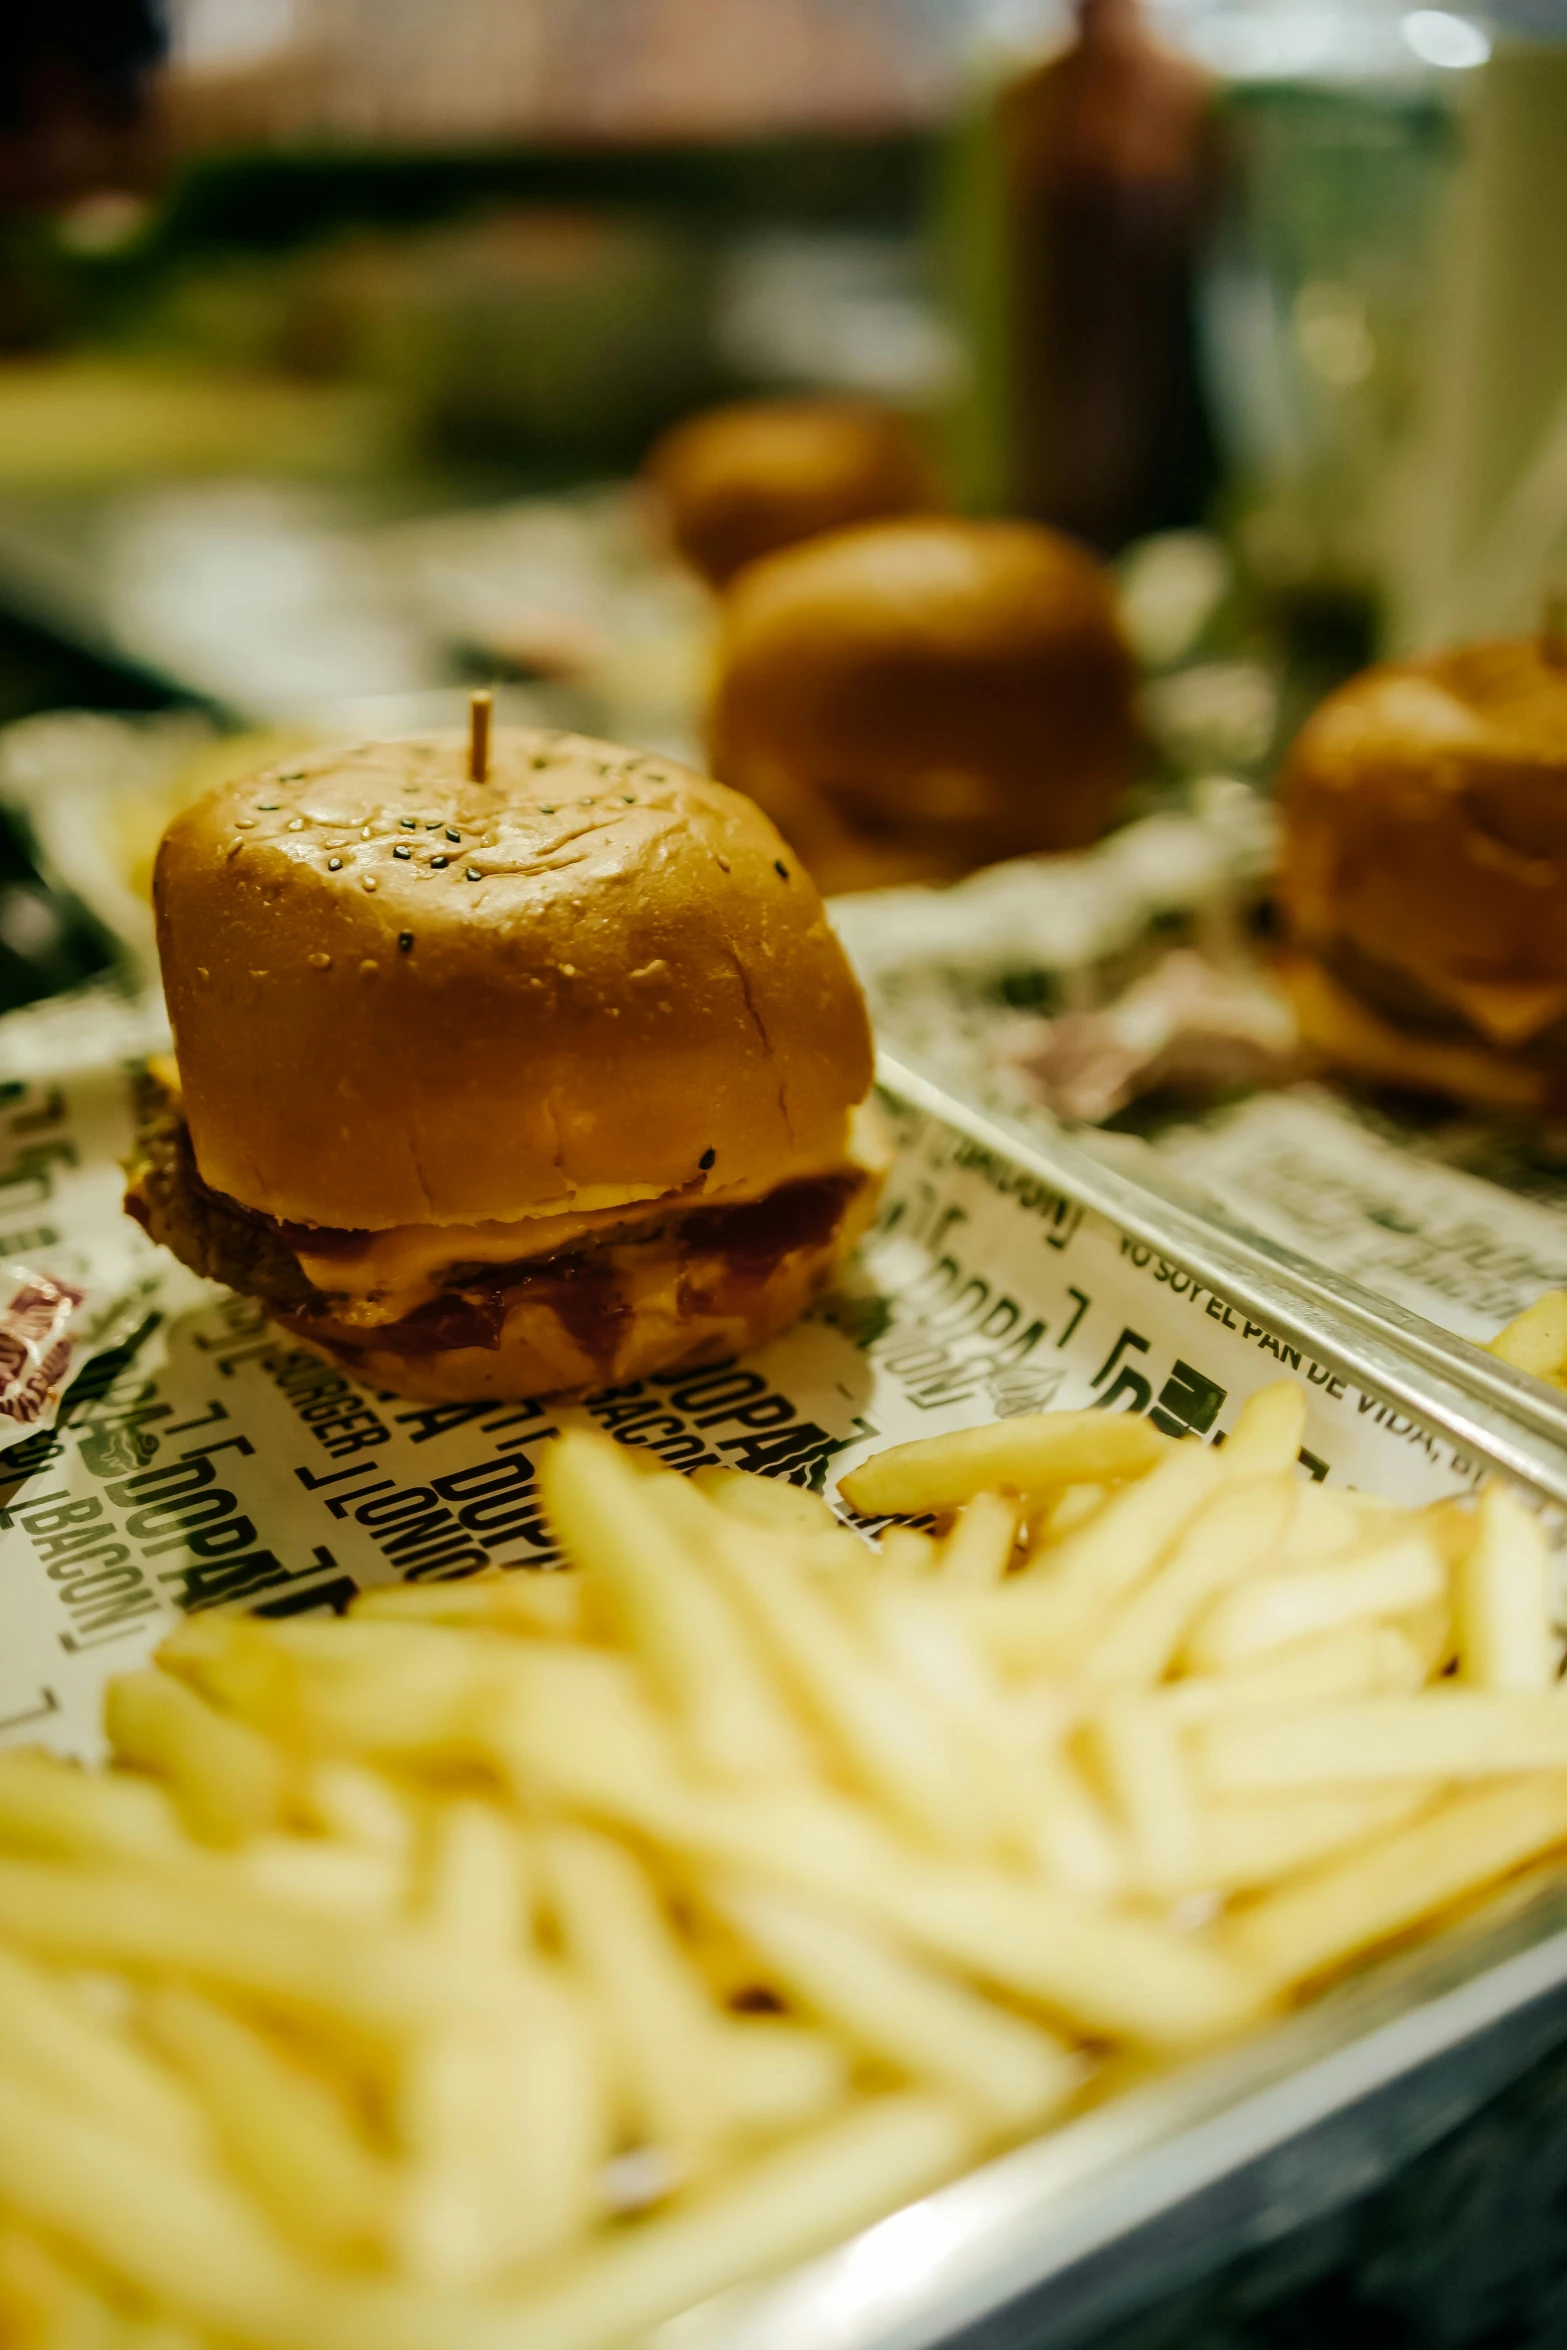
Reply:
x=1077, y=193
x=73, y=75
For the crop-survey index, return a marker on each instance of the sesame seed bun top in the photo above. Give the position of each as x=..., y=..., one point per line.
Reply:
x=400, y=996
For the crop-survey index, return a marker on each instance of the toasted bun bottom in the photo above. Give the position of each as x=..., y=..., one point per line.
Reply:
x=672, y=1311
x=1343, y=1029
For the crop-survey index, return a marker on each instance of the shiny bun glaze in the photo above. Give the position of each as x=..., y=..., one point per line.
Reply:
x=912, y=699
x=740, y=482
x=400, y=997
x=1424, y=871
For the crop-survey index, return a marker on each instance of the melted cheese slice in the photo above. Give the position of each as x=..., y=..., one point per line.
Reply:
x=397, y=1271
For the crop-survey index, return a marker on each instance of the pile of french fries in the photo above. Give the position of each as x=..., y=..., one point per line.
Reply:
x=523, y=1960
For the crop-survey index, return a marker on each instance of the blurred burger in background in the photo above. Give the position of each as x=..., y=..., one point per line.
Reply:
x=1424, y=874
x=915, y=698
x=742, y=481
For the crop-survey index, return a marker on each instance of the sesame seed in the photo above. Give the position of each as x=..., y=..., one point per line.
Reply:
x=539, y=759
x=568, y=970
x=409, y=823
x=453, y=834
x=245, y=823
x=290, y=774
x=401, y=849
x=780, y=868
x=405, y=939
x=434, y=825
x=369, y=967
x=334, y=864
x=474, y=874
x=546, y=807
x=369, y=882
x=706, y=1160
x=296, y=824
x=266, y=807
x=439, y=862
x=364, y=832
x=630, y=798
x=319, y=962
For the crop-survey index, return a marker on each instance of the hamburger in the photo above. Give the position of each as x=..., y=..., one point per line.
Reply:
x=506, y=1086
x=911, y=699
x=738, y=482
x=1424, y=875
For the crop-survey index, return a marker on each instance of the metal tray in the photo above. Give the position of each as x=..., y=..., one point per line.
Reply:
x=1174, y=2172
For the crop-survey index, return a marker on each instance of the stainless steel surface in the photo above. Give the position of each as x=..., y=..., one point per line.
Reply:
x=1496, y=1414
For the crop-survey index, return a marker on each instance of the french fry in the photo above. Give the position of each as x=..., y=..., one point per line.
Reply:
x=1266, y=1438
x=1269, y=1611
x=979, y=1548
x=1399, y=1879
x=905, y=1551
x=1502, y=1605
x=1400, y=1665
x=172, y=2230
x=1444, y=1733
x=44, y=2307
x=50, y=2037
x=772, y=2075
x=1241, y=1525
x=890, y=1744
x=1429, y=1633
x=1536, y=1340
x=227, y=1779
x=1141, y=1762
x=1103, y=1972
x=1244, y=1842
x=765, y=1501
x=1324, y=1520
x=916, y=1636
x=1358, y=1661
x=831, y=2181
x=684, y=1628
x=1026, y=1455
x=577, y=1724
x=1074, y=1841
x=504, y=2110
x=362, y=1686
x=338, y=1879
x=359, y=1806
x=286, y=2131
x=664, y=2028
x=1048, y=1617
x=522, y=1601
x=1054, y=1519
x=48, y=1806
x=365, y=1979
x=479, y=1896
x=931, y=2029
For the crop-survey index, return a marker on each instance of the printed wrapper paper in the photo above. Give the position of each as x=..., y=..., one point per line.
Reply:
x=204, y=1460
